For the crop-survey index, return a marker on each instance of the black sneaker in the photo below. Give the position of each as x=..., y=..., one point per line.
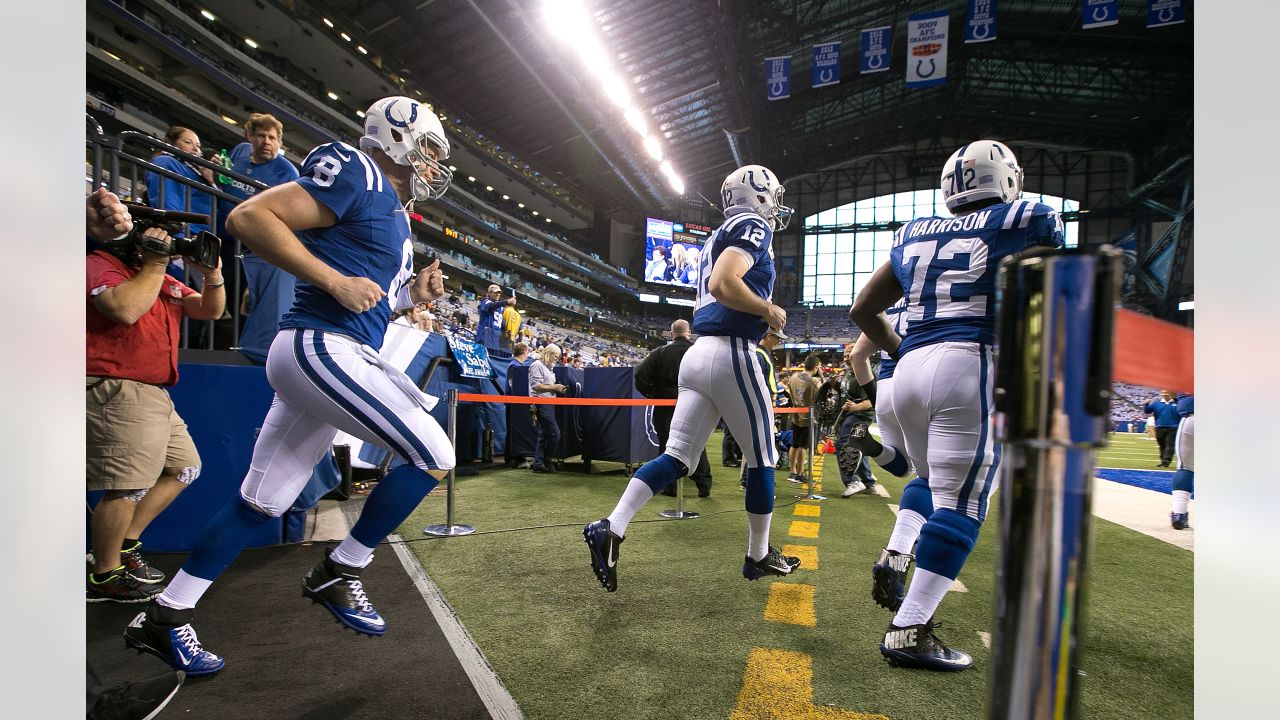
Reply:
x=141, y=700
x=604, y=552
x=339, y=589
x=1180, y=521
x=889, y=579
x=167, y=633
x=119, y=587
x=773, y=563
x=138, y=567
x=915, y=646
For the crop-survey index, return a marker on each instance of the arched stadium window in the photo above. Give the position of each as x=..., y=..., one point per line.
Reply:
x=843, y=245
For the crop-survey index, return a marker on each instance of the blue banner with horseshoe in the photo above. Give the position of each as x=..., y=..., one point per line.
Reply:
x=826, y=64
x=875, y=49
x=927, y=49
x=777, y=77
x=1100, y=13
x=980, y=24
x=1165, y=12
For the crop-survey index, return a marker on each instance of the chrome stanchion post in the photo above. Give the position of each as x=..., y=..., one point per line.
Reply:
x=813, y=426
x=449, y=529
x=679, y=513
x=1052, y=397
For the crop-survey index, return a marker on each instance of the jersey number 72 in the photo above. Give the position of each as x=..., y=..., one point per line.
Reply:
x=940, y=270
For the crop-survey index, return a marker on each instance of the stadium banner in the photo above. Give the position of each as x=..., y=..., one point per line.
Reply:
x=875, y=49
x=472, y=358
x=927, y=49
x=980, y=22
x=1165, y=12
x=777, y=77
x=1100, y=13
x=1127, y=243
x=826, y=64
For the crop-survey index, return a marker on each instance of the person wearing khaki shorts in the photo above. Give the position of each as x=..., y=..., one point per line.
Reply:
x=138, y=449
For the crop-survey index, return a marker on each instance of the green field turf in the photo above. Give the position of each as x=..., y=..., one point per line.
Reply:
x=1131, y=451
x=673, y=641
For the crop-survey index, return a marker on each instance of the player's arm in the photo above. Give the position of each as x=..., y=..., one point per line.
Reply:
x=125, y=303
x=881, y=291
x=860, y=359
x=729, y=290
x=266, y=224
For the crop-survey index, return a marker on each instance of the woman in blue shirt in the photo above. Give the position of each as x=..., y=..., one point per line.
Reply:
x=174, y=196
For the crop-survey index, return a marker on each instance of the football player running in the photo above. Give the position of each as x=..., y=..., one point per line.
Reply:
x=353, y=257
x=944, y=269
x=719, y=376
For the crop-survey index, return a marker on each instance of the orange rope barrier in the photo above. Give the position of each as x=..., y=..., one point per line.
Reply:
x=1153, y=353
x=609, y=402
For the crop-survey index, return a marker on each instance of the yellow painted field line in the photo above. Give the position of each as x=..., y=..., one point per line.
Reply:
x=790, y=603
x=808, y=510
x=808, y=555
x=804, y=529
x=779, y=684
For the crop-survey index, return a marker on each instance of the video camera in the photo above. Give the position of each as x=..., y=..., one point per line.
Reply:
x=203, y=247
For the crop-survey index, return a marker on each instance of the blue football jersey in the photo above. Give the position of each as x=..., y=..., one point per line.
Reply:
x=947, y=268
x=1186, y=405
x=747, y=232
x=894, y=315
x=371, y=239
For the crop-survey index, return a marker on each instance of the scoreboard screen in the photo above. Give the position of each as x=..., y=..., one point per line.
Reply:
x=672, y=250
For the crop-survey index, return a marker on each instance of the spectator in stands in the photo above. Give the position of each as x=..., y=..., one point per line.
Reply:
x=489, y=327
x=520, y=354
x=511, y=322
x=688, y=275
x=804, y=389
x=168, y=194
x=658, y=266
x=138, y=449
x=270, y=288
x=1167, y=418
x=658, y=377
x=542, y=383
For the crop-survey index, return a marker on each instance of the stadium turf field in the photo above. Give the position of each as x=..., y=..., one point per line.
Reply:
x=685, y=636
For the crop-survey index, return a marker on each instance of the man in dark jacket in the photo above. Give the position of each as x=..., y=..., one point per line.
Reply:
x=658, y=377
x=1167, y=419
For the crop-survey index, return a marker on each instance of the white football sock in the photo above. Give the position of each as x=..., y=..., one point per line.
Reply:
x=758, y=534
x=1180, y=500
x=183, y=591
x=905, y=531
x=633, y=498
x=352, y=553
x=887, y=456
x=923, y=597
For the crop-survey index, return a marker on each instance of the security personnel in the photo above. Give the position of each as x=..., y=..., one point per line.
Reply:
x=657, y=377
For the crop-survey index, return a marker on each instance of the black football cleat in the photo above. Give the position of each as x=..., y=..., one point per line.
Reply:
x=167, y=633
x=1179, y=521
x=915, y=646
x=604, y=552
x=339, y=589
x=773, y=563
x=889, y=579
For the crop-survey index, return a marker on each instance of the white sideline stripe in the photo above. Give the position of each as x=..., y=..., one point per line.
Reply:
x=881, y=490
x=957, y=586
x=985, y=637
x=894, y=508
x=488, y=685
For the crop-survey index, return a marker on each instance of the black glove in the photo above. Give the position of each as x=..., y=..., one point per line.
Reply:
x=869, y=389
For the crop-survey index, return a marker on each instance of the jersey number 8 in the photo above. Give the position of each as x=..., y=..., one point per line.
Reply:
x=325, y=170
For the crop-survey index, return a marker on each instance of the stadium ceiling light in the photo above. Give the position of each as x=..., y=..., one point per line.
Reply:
x=535, y=212
x=471, y=178
x=665, y=167
x=362, y=50
x=519, y=205
x=327, y=21
x=453, y=168
x=208, y=15
x=506, y=197
x=548, y=219
x=652, y=147
x=345, y=36
x=333, y=95
x=230, y=120
x=676, y=184
x=489, y=188
x=635, y=119
x=1187, y=305
x=359, y=113
x=251, y=43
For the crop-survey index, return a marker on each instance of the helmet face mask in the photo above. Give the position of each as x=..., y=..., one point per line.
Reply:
x=756, y=188
x=411, y=135
x=981, y=170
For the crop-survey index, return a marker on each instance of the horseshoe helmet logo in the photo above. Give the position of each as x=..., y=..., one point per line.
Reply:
x=982, y=32
x=1101, y=13
x=875, y=62
x=775, y=88
x=1165, y=14
x=933, y=68
x=826, y=76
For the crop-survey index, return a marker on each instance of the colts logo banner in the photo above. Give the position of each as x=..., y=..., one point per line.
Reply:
x=1165, y=12
x=927, y=49
x=826, y=64
x=1100, y=13
x=875, y=49
x=777, y=77
x=980, y=26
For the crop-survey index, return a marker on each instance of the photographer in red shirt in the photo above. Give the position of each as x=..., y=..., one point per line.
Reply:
x=138, y=449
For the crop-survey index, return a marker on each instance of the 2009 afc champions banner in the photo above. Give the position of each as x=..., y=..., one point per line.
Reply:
x=875, y=49
x=777, y=77
x=826, y=64
x=927, y=49
x=980, y=23
x=1100, y=13
x=1165, y=12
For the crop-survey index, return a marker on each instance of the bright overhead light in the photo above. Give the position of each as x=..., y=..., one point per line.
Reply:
x=208, y=15
x=489, y=188
x=230, y=120
x=519, y=205
x=328, y=22
x=471, y=178
x=333, y=95
x=652, y=147
x=250, y=42
x=453, y=168
x=676, y=184
x=360, y=113
x=1187, y=305
x=506, y=197
x=665, y=167
x=345, y=36
x=362, y=50
x=635, y=119
x=535, y=212
x=548, y=219
x=616, y=90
